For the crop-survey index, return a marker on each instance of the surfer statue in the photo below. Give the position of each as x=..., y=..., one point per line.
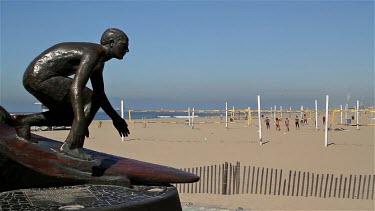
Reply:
x=69, y=101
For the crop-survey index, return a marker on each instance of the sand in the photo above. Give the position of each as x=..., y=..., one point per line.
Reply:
x=180, y=146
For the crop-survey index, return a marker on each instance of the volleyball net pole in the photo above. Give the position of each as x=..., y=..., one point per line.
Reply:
x=226, y=115
x=192, y=119
x=326, y=123
x=290, y=112
x=249, y=115
x=274, y=113
x=281, y=112
x=260, y=122
x=189, y=116
x=316, y=114
x=340, y=114
x=357, y=114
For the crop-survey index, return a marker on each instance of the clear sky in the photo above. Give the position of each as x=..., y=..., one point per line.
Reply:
x=203, y=53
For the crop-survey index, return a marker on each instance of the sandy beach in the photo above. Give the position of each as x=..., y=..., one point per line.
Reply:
x=350, y=151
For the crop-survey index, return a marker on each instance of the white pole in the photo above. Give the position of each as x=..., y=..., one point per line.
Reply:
x=274, y=113
x=189, y=116
x=290, y=112
x=340, y=114
x=357, y=114
x=346, y=112
x=233, y=114
x=301, y=112
x=226, y=115
x=281, y=112
x=248, y=118
x=192, y=119
x=316, y=115
x=260, y=122
x=271, y=111
x=326, y=123
x=122, y=116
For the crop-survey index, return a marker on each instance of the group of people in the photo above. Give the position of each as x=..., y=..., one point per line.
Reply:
x=278, y=120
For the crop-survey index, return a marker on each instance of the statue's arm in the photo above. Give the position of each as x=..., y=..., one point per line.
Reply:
x=81, y=77
x=98, y=88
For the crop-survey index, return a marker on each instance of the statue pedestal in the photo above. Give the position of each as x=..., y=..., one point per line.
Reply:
x=92, y=197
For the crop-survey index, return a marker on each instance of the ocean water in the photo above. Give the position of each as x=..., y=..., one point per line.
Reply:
x=160, y=114
x=153, y=115
x=101, y=115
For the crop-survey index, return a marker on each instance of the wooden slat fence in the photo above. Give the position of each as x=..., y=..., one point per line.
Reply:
x=230, y=179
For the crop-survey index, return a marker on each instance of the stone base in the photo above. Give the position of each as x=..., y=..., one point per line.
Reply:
x=92, y=197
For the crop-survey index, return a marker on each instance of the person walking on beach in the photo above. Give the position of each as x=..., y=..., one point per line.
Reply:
x=267, y=121
x=304, y=119
x=278, y=124
x=297, y=122
x=324, y=120
x=287, y=124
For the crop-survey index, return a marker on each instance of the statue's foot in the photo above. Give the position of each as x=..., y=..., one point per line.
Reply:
x=23, y=133
x=22, y=130
x=32, y=140
x=75, y=153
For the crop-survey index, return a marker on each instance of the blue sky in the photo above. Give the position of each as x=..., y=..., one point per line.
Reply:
x=203, y=53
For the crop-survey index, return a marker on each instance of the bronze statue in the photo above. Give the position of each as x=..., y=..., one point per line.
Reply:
x=68, y=99
x=58, y=78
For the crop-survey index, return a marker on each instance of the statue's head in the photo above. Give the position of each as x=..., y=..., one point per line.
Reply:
x=117, y=41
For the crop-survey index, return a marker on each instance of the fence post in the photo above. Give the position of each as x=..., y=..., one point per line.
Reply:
x=340, y=185
x=350, y=183
x=343, y=194
x=326, y=186
x=230, y=172
x=252, y=180
x=225, y=178
x=308, y=182
x=280, y=179
x=212, y=179
x=303, y=183
x=243, y=180
x=196, y=184
x=359, y=185
x=239, y=178
x=269, y=193
x=256, y=183
x=261, y=181
x=248, y=179
x=355, y=179
x=218, y=180
x=321, y=184
x=368, y=186
x=215, y=180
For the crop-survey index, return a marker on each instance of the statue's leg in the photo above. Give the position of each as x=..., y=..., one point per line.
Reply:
x=23, y=133
x=91, y=108
x=50, y=92
x=92, y=104
x=22, y=122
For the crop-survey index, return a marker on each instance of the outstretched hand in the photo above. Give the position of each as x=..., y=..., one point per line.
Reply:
x=121, y=127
